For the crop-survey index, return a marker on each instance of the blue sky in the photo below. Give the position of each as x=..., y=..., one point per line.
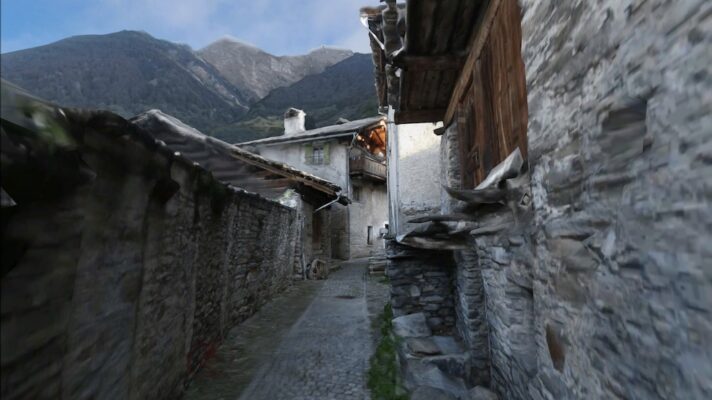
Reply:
x=281, y=27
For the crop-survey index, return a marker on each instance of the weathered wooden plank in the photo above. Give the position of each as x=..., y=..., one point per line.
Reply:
x=414, y=100
x=430, y=92
x=466, y=143
x=429, y=14
x=303, y=180
x=481, y=118
x=446, y=84
x=429, y=63
x=417, y=116
x=462, y=31
x=444, y=25
x=412, y=26
x=239, y=174
x=481, y=34
x=257, y=184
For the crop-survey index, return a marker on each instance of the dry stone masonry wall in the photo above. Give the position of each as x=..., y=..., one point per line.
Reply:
x=422, y=282
x=127, y=282
x=600, y=287
x=619, y=147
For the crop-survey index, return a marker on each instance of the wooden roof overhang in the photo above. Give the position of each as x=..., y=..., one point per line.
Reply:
x=236, y=166
x=420, y=49
x=162, y=133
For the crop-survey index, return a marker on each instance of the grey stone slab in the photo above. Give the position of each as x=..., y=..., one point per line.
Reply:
x=430, y=393
x=424, y=346
x=411, y=325
x=481, y=393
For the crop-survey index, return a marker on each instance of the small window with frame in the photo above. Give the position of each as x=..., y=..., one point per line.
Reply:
x=356, y=194
x=318, y=155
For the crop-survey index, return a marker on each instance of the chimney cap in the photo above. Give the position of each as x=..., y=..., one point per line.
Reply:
x=293, y=112
x=294, y=120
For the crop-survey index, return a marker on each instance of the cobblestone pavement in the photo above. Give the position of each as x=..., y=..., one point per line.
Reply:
x=324, y=355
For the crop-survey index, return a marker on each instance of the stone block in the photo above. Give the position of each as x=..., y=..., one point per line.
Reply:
x=481, y=393
x=430, y=393
x=412, y=325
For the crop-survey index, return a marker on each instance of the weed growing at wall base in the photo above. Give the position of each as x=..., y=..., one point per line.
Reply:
x=383, y=379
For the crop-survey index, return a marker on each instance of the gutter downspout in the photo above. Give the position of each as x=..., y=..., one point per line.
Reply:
x=338, y=196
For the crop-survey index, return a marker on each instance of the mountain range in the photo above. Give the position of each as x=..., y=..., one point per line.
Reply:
x=229, y=89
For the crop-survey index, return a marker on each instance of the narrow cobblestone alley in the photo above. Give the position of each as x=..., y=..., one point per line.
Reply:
x=313, y=342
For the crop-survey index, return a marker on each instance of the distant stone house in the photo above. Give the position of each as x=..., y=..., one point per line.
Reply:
x=350, y=154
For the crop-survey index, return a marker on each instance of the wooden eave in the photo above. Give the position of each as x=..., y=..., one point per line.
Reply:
x=234, y=165
x=436, y=53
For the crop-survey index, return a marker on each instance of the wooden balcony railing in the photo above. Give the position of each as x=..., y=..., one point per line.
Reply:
x=362, y=164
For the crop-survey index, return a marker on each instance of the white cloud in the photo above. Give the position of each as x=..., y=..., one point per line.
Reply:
x=356, y=41
x=185, y=21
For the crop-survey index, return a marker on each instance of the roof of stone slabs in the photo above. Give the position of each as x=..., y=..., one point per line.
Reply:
x=325, y=132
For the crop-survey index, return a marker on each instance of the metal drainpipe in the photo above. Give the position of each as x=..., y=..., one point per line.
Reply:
x=338, y=196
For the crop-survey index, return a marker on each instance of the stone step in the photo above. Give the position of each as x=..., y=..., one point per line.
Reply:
x=418, y=375
x=439, y=362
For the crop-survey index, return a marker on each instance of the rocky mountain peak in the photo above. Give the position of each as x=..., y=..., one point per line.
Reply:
x=256, y=72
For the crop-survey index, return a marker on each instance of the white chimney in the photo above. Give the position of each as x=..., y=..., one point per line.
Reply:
x=294, y=121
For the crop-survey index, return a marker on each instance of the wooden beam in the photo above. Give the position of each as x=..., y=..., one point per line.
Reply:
x=463, y=28
x=264, y=184
x=253, y=172
x=478, y=41
x=278, y=171
x=445, y=26
x=429, y=63
x=416, y=116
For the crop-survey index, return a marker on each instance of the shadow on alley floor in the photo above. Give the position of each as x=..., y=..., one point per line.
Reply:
x=312, y=342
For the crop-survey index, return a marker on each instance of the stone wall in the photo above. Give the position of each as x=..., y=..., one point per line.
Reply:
x=599, y=288
x=413, y=173
x=293, y=154
x=340, y=232
x=619, y=149
x=125, y=283
x=422, y=281
x=371, y=210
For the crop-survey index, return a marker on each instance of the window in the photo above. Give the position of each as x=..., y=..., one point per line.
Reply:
x=317, y=154
x=356, y=194
x=369, y=235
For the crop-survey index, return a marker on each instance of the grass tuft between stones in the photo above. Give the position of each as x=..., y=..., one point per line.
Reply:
x=383, y=379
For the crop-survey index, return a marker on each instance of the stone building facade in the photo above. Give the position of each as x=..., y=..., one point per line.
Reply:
x=348, y=155
x=591, y=279
x=414, y=173
x=124, y=263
